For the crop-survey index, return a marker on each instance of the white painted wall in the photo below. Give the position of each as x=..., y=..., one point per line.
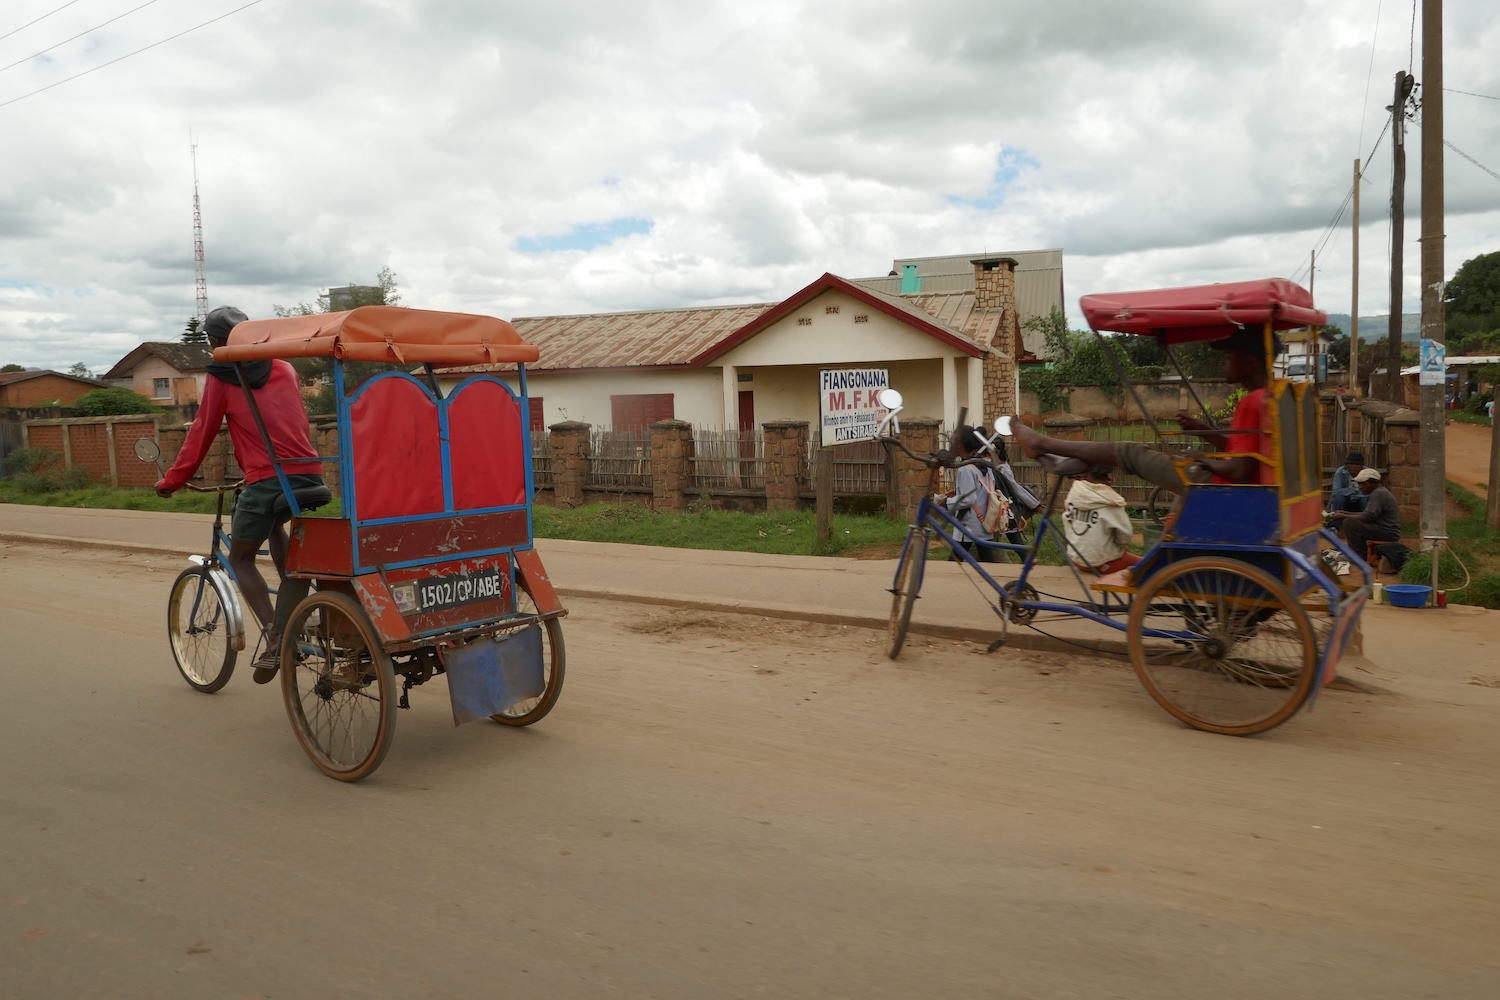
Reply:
x=697, y=395
x=835, y=338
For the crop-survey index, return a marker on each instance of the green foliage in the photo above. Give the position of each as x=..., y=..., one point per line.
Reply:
x=7, y=369
x=111, y=402
x=1474, y=289
x=1081, y=358
x=81, y=370
x=193, y=334
x=22, y=461
x=1469, y=540
x=81, y=493
x=38, y=470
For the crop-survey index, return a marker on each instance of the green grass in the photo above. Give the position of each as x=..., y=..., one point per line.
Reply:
x=1476, y=545
x=775, y=533
x=1465, y=417
x=119, y=498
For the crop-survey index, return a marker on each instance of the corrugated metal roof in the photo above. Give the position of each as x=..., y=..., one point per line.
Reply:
x=184, y=357
x=642, y=338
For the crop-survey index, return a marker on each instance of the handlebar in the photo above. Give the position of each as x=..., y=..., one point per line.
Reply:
x=939, y=459
x=221, y=488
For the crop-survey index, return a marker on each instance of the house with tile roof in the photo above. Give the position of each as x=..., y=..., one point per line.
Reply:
x=23, y=390
x=739, y=366
x=169, y=373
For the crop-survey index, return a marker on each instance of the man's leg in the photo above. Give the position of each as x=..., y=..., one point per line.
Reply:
x=1151, y=465
x=252, y=584
x=278, y=546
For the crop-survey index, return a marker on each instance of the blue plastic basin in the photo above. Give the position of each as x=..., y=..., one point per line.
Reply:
x=1408, y=595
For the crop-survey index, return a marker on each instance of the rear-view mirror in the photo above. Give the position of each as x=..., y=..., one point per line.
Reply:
x=889, y=398
x=147, y=450
x=1002, y=426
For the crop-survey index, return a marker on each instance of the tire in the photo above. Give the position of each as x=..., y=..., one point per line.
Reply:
x=197, y=628
x=1242, y=656
x=1158, y=506
x=338, y=686
x=904, y=592
x=554, y=663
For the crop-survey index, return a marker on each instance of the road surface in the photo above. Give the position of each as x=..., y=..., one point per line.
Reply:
x=727, y=806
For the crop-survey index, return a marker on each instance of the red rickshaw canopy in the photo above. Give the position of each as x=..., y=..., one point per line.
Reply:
x=1203, y=312
x=380, y=333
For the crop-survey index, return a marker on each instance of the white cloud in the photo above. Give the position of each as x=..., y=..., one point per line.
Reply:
x=1158, y=142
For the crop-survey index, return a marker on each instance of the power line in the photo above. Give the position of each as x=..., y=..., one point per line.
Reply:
x=59, y=83
x=1470, y=93
x=36, y=19
x=75, y=38
x=1369, y=75
x=1304, y=269
x=1471, y=159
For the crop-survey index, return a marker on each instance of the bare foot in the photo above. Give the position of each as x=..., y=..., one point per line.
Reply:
x=1025, y=437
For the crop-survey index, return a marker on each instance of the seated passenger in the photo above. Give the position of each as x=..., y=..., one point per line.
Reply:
x=1245, y=364
x=1099, y=530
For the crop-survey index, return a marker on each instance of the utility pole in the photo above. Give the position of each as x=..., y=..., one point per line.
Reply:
x=1434, y=519
x=1404, y=83
x=200, y=276
x=1354, y=385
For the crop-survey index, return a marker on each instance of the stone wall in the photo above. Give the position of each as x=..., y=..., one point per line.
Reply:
x=1162, y=399
x=787, y=471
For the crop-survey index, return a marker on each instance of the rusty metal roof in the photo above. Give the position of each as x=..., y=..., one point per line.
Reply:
x=184, y=357
x=646, y=338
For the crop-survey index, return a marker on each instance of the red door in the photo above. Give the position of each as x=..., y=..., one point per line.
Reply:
x=747, y=437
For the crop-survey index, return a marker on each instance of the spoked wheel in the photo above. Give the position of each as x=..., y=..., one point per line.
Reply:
x=1222, y=646
x=554, y=659
x=338, y=686
x=904, y=593
x=198, y=628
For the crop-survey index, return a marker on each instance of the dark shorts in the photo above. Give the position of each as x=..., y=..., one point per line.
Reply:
x=253, y=519
x=1151, y=465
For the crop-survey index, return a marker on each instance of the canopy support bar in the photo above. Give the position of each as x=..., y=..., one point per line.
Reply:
x=1208, y=418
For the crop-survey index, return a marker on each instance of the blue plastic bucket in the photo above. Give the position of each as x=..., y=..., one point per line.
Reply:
x=1407, y=595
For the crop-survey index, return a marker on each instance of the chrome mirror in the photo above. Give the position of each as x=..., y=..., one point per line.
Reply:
x=147, y=450
x=889, y=398
x=1002, y=426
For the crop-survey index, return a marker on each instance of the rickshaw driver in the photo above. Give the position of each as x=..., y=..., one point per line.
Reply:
x=278, y=396
x=1244, y=364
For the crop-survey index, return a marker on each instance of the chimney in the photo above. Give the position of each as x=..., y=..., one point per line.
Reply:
x=910, y=283
x=995, y=283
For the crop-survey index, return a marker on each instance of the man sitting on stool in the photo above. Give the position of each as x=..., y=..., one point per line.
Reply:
x=1380, y=521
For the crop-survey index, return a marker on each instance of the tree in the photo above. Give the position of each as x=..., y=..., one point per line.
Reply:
x=319, y=371
x=81, y=370
x=193, y=332
x=7, y=369
x=110, y=402
x=1472, y=305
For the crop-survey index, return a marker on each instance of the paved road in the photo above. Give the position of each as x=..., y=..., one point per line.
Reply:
x=727, y=806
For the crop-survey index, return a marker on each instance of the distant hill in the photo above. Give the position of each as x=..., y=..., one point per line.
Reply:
x=1374, y=327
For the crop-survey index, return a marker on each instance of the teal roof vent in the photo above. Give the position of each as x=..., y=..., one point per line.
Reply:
x=910, y=283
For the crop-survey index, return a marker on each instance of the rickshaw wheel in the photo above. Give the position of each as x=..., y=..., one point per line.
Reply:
x=338, y=685
x=554, y=662
x=198, y=629
x=1240, y=654
x=904, y=593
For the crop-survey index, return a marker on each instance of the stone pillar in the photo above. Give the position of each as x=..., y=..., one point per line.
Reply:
x=671, y=464
x=1403, y=455
x=571, y=447
x=908, y=479
x=786, y=462
x=1067, y=427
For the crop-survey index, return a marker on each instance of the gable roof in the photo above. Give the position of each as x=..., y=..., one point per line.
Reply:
x=10, y=378
x=892, y=305
x=649, y=338
x=184, y=357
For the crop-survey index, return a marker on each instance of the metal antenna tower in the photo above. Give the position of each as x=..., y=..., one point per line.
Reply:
x=201, y=276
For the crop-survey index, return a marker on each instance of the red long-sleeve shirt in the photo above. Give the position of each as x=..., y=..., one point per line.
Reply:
x=280, y=405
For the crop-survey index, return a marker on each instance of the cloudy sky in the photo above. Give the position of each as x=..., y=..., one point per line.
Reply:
x=532, y=158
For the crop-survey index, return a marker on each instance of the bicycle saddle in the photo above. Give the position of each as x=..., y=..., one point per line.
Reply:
x=308, y=498
x=1060, y=466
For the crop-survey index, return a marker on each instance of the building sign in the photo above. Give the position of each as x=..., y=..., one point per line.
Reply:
x=847, y=410
x=1433, y=365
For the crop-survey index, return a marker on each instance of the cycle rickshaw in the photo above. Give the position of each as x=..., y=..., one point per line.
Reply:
x=1233, y=620
x=430, y=567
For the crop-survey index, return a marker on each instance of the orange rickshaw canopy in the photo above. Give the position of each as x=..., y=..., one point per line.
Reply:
x=380, y=333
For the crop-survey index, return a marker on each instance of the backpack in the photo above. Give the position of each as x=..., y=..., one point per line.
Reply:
x=997, y=506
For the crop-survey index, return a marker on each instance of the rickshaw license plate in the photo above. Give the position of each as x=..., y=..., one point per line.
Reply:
x=438, y=593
